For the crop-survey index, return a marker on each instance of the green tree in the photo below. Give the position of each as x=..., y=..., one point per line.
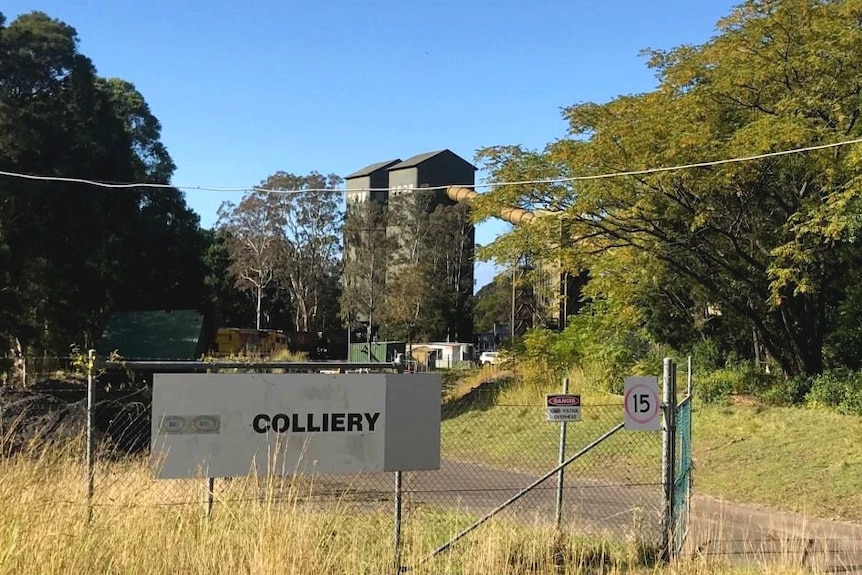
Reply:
x=436, y=240
x=251, y=231
x=152, y=162
x=310, y=243
x=406, y=291
x=224, y=305
x=166, y=237
x=71, y=253
x=494, y=303
x=449, y=266
x=767, y=242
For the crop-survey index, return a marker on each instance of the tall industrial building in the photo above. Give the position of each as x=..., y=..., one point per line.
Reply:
x=382, y=181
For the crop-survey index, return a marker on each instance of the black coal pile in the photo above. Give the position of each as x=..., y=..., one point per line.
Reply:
x=55, y=411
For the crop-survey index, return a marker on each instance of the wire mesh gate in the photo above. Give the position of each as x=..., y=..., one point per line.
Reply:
x=614, y=484
x=681, y=508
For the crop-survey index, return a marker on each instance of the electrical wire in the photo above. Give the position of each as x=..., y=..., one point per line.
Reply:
x=644, y=171
x=689, y=166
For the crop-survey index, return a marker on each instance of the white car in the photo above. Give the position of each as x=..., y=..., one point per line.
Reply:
x=489, y=358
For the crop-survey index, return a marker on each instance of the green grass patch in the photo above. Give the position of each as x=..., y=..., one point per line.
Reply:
x=506, y=427
x=793, y=459
x=787, y=458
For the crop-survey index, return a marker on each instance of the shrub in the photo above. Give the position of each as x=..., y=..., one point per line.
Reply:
x=715, y=387
x=706, y=355
x=852, y=403
x=544, y=348
x=837, y=388
x=720, y=384
x=604, y=342
x=790, y=391
x=828, y=388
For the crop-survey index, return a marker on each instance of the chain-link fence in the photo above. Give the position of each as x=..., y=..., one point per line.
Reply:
x=499, y=460
x=488, y=456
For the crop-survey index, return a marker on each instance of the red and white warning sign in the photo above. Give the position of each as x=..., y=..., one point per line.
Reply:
x=563, y=407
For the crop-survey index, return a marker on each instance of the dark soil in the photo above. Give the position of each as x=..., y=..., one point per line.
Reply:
x=55, y=411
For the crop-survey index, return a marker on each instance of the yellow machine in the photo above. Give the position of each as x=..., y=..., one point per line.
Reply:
x=233, y=340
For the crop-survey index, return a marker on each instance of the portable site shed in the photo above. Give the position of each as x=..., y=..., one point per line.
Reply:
x=451, y=354
x=382, y=351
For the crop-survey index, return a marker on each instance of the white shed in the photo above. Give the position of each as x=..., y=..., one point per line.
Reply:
x=451, y=354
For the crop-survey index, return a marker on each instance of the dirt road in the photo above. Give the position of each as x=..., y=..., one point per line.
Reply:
x=742, y=533
x=719, y=530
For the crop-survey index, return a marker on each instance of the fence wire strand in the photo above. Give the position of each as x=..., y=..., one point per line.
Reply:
x=487, y=457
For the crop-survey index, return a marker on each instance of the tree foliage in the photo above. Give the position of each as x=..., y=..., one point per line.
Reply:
x=767, y=242
x=251, y=231
x=406, y=291
x=310, y=243
x=493, y=303
x=71, y=253
x=435, y=240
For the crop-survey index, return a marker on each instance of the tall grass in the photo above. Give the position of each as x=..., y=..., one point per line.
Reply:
x=523, y=383
x=259, y=526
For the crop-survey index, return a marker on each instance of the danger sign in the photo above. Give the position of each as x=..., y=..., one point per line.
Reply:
x=563, y=407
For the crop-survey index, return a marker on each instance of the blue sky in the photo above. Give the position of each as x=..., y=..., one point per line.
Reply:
x=247, y=89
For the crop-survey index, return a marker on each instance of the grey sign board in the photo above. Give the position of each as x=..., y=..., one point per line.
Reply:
x=232, y=425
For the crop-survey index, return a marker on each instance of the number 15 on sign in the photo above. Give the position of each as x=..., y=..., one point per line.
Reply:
x=642, y=403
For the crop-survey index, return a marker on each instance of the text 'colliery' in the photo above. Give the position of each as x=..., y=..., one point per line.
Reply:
x=315, y=422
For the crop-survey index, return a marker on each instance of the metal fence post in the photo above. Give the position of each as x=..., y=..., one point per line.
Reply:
x=209, y=495
x=668, y=440
x=562, y=457
x=398, y=504
x=688, y=381
x=91, y=423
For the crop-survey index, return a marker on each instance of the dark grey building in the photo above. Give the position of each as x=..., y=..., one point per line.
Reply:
x=432, y=170
x=372, y=177
x=436, y=170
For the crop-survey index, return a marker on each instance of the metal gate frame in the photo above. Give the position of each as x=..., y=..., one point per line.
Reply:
x=484, y=519
x=676, y=460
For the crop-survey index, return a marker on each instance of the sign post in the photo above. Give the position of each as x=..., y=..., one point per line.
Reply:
x=642, y=404
x=572, y=402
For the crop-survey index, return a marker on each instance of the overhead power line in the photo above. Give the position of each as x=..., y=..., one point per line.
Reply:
x=687, y=166
x=644, y=171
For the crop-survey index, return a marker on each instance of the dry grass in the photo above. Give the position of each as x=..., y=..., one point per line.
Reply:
x=141, y=525
x=460, y=382
x=522, y=383
x=279, y=355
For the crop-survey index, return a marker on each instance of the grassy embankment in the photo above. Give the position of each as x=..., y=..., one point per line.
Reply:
x=787, y=458
x=136, y=530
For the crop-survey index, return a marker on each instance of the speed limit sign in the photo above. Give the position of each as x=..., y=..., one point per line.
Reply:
x=642, y=403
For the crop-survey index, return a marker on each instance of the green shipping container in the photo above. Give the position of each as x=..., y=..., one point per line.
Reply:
x=376, y=351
